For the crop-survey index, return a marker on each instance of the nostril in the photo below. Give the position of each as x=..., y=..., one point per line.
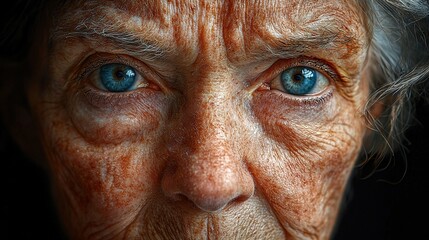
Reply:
x=210, y=199
x=205, y=203
x=211, y=202
x=218, y=204
x=207, y=186
x=178, y=197
x=205, y=196
x=211, y=205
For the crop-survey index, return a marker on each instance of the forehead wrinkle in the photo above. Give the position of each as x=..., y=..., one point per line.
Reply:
x=299, y=17
x=296, y=27
x=94, y=22
x=193, y=24
x=160, y=21
x=91, y=15
x=250, y=27
x=158, y=8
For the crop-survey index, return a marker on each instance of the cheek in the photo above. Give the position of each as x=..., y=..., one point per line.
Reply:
x=99, y=182
x=307, y=129
x=106, y=120
x=309, y=151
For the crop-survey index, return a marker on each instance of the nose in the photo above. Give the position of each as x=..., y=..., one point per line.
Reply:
x=206, y=166
x=208, y=187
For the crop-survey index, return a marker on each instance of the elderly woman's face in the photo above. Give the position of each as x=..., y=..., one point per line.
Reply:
x=203, y=119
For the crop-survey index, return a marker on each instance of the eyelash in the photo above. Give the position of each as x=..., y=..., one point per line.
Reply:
x=278, y=67
x=282, y=65
x=80, y=81
x=95, y=61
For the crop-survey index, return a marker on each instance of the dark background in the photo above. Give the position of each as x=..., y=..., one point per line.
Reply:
x=376, y=209
x=391, y=204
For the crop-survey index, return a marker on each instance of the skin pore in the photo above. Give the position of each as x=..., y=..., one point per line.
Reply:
x=208, y=144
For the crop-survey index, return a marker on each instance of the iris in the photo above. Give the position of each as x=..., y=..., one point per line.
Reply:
x=299, y=80
x=117, y=77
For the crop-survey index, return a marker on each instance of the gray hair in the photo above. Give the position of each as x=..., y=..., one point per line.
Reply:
x=399, y=71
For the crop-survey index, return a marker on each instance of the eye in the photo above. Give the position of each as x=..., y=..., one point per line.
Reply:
x=116, y=77
x=300, y=81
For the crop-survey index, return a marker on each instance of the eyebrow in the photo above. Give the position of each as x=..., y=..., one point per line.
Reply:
x=346, y=44
x=302, y=45
x=128, y=41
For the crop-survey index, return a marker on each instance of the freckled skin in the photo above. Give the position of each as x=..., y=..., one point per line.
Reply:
x=212, y=152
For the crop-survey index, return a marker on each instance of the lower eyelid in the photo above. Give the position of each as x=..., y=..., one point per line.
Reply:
x=279, y=98
x=104, y=99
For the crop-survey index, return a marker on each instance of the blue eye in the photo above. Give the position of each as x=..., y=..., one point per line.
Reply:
x=116, y=77
x=302, y=81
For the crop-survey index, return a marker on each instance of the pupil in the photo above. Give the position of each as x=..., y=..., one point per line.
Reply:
x=119, y=74
x=298, y=77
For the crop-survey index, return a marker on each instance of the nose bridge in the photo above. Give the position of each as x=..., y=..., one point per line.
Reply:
x=206, y=124
x=208, y=166
x=208, y=113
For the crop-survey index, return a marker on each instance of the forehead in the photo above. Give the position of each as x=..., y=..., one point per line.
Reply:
x=290, y=9
x=242, y=27
x=291, y=14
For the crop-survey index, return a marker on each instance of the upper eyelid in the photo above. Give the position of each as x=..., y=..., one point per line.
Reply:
x=316, y=64
x=94, y=61
x=276, y=68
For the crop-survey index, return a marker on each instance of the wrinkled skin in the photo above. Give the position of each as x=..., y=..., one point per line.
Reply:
x=209, y=145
